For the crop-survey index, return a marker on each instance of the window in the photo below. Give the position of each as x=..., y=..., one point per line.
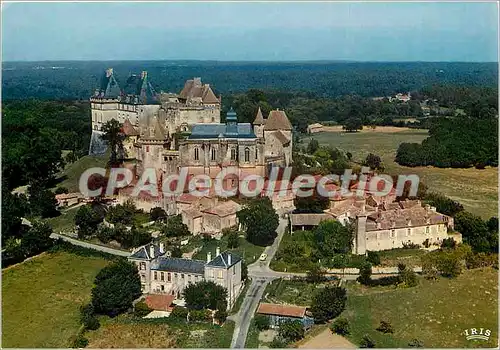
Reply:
x=219, y=274
x=162, y=276
x=156, y=275
x=213, y=153
x=162, y=288
x=196, y=154
x=147, y=149
x=393, y=233
x=256, y=154
x=169, y=277
x=233, y=154
x=408, y=232
x=182, y=275
x=427, y=229
x=247, y=154
x=143, y=266
x=175, y=275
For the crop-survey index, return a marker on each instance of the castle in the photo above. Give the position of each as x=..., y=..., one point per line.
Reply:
x=168, y=131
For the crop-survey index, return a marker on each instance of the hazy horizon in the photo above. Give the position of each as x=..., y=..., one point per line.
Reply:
x=251, y=32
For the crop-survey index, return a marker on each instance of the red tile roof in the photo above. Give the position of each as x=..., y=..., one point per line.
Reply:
x=159, y=301
x=281, y=310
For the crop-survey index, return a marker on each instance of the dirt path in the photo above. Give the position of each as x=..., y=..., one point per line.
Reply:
x=327, y=340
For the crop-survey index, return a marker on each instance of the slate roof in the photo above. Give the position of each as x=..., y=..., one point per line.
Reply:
x=281, y=310
x=109, y=87
x=277, y=120
x=139, y=85
x=259, y=119
x=222, y=260
x=178, y=265
x=143, y=252
x=215, y=130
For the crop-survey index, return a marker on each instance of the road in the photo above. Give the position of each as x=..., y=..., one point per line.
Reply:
x=261, y=275
x=90, y=245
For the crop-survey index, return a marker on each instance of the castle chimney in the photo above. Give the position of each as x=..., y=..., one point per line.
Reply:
x=209, y=257
x=162, y=247
x=152, y=251
x=229, y=259
x=217, y=251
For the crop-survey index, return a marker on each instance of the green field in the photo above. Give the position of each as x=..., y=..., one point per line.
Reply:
x=64, y=222
x=282, y=291
x=41, y=299
x=476, y=189
x=435, y=312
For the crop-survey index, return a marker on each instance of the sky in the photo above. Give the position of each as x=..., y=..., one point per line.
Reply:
x=250, y=31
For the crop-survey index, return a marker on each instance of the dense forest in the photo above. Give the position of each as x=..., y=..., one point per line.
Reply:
x=72, y=80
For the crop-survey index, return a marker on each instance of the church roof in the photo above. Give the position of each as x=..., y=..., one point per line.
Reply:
x=128, y=129
x=277, y=120
x=259, y=119
x=216, y=130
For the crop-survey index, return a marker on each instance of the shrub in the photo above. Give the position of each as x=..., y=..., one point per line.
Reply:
x=61, y=190
x=374, y=258
x=408, y=277
x=448, y=243
x=220, y=316
x=365, y=274
x=367, y=342
x=261, y=322
x=340, y=326
x=385, y=327
x=415, y=343
x=474, y=261
x=410, y=245
x=291, y=330
x=141, y=309
x=328, y=303
x=80, y=342
x=278, y=343
x=200, y=315
x=179, y=313
x=88, y=318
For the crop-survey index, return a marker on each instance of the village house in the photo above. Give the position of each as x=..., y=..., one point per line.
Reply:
x=315, y=128
x=68, y=199
x=279, y=313
x=163, y=275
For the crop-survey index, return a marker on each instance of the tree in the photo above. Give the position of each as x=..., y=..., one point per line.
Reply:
x=112, y=133
x=474, y=232
x=373, y=258
x=157, y=214
x=328, y=303
x=311, y=204
x=365, y=274
x=88, y=318
x=260, y=221
x=291, y=330
x=135, y=237
x=443, y=204
x=141, y=309
x=174, y=227
x=37, y=238
x=448, y=243
x=105, y=234
x=179, y=313
x=340, y=326
x=374, y=162
x=122, y=213
x=331, y=236
x=315, y=274
x=42, y=201
x=87, y=220
x=220, y=316
x=233, y=241
x=353, y=125
x=61, y=190
x=312, y=146
x=407, y=276
x=205, y=295
x=176, y=252
x=261, y=322
x=116, y=287
x=13, y=208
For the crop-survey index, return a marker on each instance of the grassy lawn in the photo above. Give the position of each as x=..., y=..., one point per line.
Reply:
x=435, y=312
x=64, y=222
x=70, y=176
x=41, y=299
x=476, y=189
x=126, y=331
x=246, y=250
x=293, y=292
x=409, y=257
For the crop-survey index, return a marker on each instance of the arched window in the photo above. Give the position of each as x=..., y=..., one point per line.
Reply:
x=247, y=154
x=256, y=154
x=213, y=154
x=196, y=154
x=233, y=154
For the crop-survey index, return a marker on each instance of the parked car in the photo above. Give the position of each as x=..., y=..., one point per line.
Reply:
x=263, y=257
